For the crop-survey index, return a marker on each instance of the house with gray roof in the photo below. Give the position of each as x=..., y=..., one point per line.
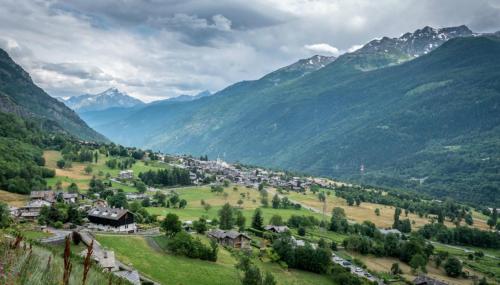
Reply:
x=276, y=229
x=230, y=238
x=111, y=219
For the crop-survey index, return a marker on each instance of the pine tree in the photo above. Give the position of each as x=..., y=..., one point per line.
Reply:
x=226, y=217
x=257, y=220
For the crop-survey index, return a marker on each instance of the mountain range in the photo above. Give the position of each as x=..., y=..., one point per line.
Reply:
x=21, y=97
x=420, y=111
x=111, y=98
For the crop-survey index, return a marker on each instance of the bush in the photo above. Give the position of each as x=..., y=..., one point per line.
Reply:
x=58, y=225
x=183, y=243
x=453, y=267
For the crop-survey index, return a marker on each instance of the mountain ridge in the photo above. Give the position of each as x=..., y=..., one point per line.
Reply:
x=321, y=123
x=19, y=95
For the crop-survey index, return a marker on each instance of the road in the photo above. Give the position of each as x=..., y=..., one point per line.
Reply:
x=463, y=249
x=355, y=270
x=56, y=237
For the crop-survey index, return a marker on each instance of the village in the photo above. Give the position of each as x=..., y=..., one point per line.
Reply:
x=102, y=218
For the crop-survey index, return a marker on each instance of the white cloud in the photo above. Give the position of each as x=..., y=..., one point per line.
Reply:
x=221, y=23
x=354, y=48
x=159, y=49
x=323, y=48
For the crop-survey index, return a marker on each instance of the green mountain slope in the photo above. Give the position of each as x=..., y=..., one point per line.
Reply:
x=431, y=123
x=20, y=96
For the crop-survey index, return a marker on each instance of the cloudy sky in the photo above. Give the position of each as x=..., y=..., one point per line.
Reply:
x=155, y=49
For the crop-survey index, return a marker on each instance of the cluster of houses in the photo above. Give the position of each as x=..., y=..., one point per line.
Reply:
x=40, y=199
x=250, y=177
x=100, y=217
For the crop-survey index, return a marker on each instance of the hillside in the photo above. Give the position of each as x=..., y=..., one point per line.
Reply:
x=421, y=121
x=20, y=96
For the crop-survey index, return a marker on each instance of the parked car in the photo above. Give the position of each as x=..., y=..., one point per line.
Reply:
x=346, y=263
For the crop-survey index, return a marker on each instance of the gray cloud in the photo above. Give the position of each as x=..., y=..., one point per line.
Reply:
x=77, y=70
x=156, y=49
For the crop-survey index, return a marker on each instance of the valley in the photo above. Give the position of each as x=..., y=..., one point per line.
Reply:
x=150, y=249
x=153, y=163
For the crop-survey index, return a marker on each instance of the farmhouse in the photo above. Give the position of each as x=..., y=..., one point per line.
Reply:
x=230, y=238
x=126, y=174
x=69, y=198
x=32, y=209
x=111, y=219
x=276, y=229
x=49, y=196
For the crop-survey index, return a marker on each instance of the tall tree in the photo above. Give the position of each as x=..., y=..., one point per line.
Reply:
x=240, y=220
x=276, y=201
x=257, y=220
x=226, y=217
x=397, y=213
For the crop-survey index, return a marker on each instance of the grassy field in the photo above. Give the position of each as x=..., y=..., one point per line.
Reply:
x=152, y=261
x=76, y=173
x=486, y=265
x=34, y=235
x=13, y=199
x=366, y=211
x=164, y=268
x=195, y=209
x=383, y=264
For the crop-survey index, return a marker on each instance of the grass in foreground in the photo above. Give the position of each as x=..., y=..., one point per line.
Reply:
x=164, y=268
x=150, y=259
x=24, y=266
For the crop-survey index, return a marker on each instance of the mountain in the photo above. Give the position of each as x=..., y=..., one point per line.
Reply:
x=298, y=69
x=99, y=119
x=429, y=123
x=184, y=98
x=391, y=51
x=111, y=98
x=20, y=96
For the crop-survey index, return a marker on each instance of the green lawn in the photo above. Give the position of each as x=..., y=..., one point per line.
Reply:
x=487, y=265
x=194, y=209
x=165, y=268
x=124, y=187
x=317, y=233
x=34, y=235
x=193, y=213
x=76, y=175
x=170, y=269
x=137, y=167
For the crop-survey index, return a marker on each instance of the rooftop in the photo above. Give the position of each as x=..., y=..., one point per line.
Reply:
x=107, y=213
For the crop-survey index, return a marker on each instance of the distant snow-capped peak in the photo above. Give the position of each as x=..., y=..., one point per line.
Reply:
x=110, y=98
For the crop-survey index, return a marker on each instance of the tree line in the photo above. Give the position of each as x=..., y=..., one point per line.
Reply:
x=166, y=177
